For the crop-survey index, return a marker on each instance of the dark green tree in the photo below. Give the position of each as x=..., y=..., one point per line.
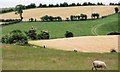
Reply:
x=116, y=9
x=19, y=10
x=68, y=34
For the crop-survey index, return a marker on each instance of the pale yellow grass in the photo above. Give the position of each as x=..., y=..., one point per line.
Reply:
x=98, y=44
x=64, y=12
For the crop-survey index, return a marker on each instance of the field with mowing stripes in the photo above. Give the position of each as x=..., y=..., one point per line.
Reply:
x=64, y=12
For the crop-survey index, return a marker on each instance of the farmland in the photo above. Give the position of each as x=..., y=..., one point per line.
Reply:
x=90, y=38
x=29, y=58
x=94, y=44
x=64, y=12
x=79, y=28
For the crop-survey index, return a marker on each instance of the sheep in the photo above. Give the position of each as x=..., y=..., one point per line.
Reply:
x=75, y=50
x=99, y=64
x=44, y=46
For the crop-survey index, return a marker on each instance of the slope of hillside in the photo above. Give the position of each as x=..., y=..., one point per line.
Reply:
x=62, y=11
x=98, y=44
x=79, y=28
x=16, y=57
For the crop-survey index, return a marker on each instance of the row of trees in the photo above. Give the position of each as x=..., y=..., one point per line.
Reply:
x=78, y=17
x=19, y=10
x=114, y=3
x=65, y=4
x=51, y=18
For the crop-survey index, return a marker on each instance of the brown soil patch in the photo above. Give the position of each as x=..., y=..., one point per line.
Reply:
x=98, y=44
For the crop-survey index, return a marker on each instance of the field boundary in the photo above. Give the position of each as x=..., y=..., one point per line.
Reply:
x=93, y=30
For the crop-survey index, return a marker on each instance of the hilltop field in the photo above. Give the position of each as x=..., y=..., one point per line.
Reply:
x=64, y=12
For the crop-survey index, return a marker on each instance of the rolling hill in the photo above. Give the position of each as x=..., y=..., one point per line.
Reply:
x=64, y=12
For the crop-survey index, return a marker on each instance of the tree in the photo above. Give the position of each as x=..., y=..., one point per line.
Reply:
x=32, y=33
x=85, y=3
x=71, y=17
x=95, y=15
x=40, y=5
x=83, y=16
x=31, y=19
x=19, y=10
x=43, y=35
x=116, y=9
x=59, y=18
x=68, y=34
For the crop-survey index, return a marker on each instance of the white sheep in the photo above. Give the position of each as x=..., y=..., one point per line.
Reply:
x=75, y=50
x=44, y=46
x=99, y=64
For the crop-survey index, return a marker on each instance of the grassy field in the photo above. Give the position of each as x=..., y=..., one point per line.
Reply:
x=64, y=12
x=29, y=58
x=79, y=28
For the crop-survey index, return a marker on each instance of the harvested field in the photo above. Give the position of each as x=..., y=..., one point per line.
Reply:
x=98, y=44
x=64, y=12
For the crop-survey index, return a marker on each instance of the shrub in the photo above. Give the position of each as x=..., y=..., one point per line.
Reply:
x=15, y=37
x=31, y=19
x=68, y=34
x=113, y=51
x=43, y=35
x=116, y=9
x=16, y=31
x=4, y=39
x=114, y=33
x=32, y=33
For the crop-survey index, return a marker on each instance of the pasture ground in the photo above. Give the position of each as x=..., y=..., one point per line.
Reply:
x=29, y=58
x=79, y=28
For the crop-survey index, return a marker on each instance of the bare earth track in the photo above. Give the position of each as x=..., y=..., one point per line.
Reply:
x=64, y=12
x=98, y=44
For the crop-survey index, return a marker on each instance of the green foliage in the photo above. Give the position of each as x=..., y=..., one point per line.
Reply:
x=83, y=16
x=51, y=18
x=116, y=9
x=95, y=15
x=30, y=58
x=19, y=10
x=113, y=51
x=16, y=37
x=31, y=19
x=68, y=34
x=79, y=28
x=32, y=34
x=43, y=35
x=113, y=33
x=16, y=31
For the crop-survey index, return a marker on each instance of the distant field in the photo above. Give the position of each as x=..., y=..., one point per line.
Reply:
x=79, y=28
x=29, y=58
x=64, y=12
x=97, y=44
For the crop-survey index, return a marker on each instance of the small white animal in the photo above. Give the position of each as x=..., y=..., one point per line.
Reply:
x=99, y=64
x=75, y=50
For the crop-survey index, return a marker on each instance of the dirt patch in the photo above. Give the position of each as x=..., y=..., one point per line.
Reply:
x=98, y=44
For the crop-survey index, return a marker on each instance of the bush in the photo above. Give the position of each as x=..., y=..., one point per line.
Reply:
x=68, y=34
x=15, y=37
x=43, y=35
x=32, y=33
x=116, y=9
x=16, y=31
x=31, y=19
x=113, y=51
x=114, y=33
